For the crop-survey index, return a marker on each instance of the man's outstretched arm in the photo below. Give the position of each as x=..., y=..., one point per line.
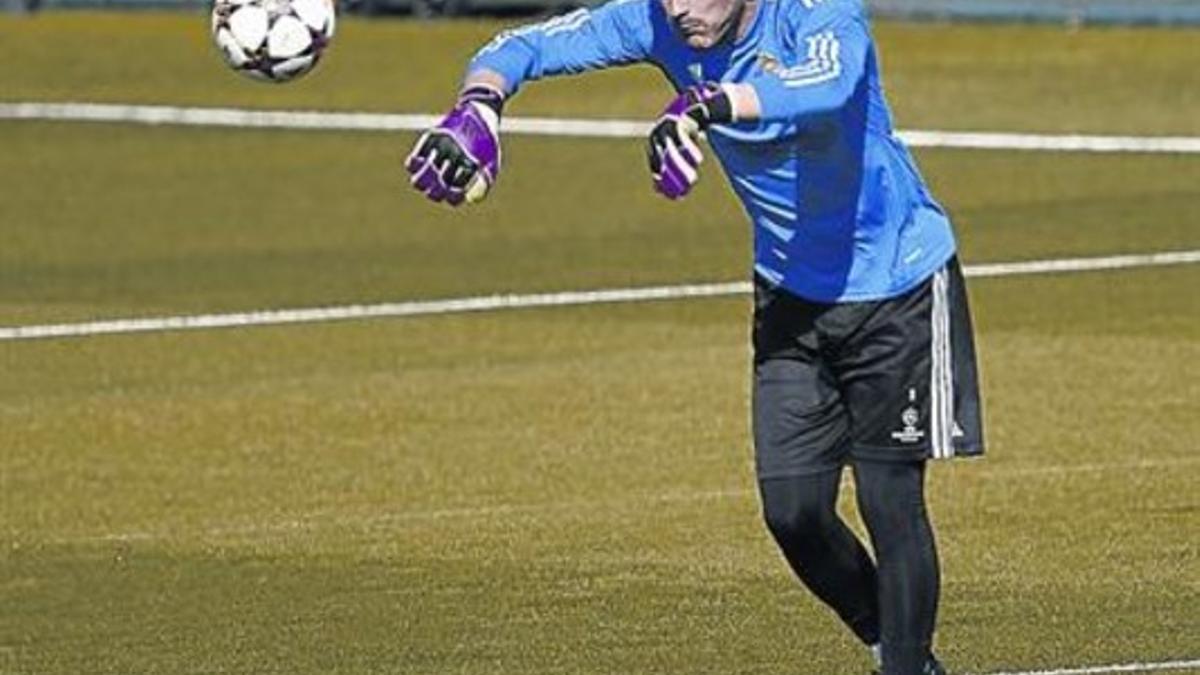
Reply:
x=836, y=40
x=616, y=33
x=458, y=160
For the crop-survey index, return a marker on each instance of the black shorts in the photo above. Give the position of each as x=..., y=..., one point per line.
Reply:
x=888, y=380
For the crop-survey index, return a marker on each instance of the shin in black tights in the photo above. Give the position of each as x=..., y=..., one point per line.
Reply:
x=892, y=600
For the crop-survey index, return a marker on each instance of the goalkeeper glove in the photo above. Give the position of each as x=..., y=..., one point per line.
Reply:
x=459, y=159
x=672, y=149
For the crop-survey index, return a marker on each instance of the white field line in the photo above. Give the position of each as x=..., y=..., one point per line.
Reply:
x=272, y=317
x=383, y=518
x=1061, y=265
x=587, y=128
x=1160, y=666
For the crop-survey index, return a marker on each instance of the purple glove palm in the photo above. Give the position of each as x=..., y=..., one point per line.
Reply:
x=672, y=150
x=459, y=159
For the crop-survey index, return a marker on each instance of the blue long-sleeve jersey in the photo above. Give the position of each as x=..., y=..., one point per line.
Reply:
x=839, y=209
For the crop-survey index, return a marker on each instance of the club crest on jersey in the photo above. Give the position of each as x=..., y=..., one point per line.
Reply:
x=697, y=72
x=769, y=63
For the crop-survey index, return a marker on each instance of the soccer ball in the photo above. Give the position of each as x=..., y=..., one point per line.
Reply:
x=272, y=40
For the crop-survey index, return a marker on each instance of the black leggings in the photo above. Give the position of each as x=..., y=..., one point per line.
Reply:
x=894, y=602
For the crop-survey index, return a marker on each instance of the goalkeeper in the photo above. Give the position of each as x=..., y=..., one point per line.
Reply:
x=863, y=353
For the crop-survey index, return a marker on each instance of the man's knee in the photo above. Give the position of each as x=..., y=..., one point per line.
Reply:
x=891, y=499
x=800, y=508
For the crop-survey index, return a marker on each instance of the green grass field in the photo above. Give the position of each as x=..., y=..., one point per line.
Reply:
x=559, y=490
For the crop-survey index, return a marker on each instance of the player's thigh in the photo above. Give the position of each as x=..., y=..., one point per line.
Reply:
x=908, y=377
x=884, y=374
x=800, y=424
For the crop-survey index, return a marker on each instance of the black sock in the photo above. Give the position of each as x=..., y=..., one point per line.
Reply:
x=801, y=514
x=891, y=498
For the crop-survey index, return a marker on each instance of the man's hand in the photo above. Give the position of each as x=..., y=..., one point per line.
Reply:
x=672, y=150
x=459, y=159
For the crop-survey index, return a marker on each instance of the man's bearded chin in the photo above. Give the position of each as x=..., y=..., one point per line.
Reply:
x=726, y=32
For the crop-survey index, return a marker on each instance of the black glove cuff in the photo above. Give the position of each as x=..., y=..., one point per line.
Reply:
x=492, y=98
x=720, y=109
x=710, y=104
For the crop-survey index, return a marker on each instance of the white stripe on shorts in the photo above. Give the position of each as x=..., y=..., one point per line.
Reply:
x=941, y=375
